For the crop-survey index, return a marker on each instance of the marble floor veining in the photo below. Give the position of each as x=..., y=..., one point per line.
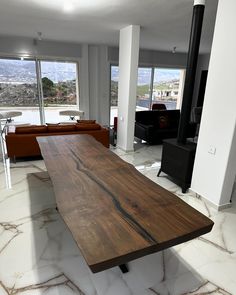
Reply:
x=39, y=256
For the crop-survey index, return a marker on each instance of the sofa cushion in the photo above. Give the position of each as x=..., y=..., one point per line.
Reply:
x=86, y=121
x=81, y=126
x=61, y=128
x=31, y=129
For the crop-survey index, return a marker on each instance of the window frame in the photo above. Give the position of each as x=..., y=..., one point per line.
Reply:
x=38, y=60
x=153, y=67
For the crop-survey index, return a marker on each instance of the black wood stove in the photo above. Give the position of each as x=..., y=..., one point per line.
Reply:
x=177, y=161
x=178, y=154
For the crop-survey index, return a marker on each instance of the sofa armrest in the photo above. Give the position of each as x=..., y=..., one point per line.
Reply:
x=144, y=126
x=143, y=131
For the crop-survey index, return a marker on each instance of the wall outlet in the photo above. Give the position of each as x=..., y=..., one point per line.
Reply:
x=212, y=150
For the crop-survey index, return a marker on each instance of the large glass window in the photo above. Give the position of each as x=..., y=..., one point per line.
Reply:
x=154, y=85
x=59, y=87
x=166, y=87
x=114, y=93
x=38, y=88
x=18, y=89
x=144, y=88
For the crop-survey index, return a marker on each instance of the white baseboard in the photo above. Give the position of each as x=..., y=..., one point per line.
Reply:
x=126, y=151
x=212, y=204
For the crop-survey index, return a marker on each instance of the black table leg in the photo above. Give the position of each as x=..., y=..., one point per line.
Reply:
x=124, y=268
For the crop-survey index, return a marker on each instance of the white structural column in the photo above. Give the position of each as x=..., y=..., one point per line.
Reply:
x=215, y=162
x=128, y=71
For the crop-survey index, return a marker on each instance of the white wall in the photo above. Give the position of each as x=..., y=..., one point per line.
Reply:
x=213, y=175
x=228, y=185
x=26, y=46
x=153, y=58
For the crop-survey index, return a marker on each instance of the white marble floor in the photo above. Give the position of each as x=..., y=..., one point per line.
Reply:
x=39, y=256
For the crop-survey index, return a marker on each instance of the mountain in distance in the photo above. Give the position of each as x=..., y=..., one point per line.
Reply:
x=59, y=71
x=25, y=71
x=12, y=70
x=144, y=75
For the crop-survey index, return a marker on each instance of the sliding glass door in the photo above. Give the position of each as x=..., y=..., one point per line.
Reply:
x=167, y=87
x=38, y=88
x=114, y=93
x=144, y=89
x=18, y=89
x=59, y=88
x=154, y=85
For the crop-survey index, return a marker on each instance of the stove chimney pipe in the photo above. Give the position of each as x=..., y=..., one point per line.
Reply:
x=194, y=43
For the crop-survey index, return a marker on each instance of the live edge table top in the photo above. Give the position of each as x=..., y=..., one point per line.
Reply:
x=114, y=213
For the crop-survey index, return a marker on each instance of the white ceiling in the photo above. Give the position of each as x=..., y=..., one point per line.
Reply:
x=164, y=23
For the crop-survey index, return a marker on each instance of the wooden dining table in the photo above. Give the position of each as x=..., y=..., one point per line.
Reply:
x=114, y=213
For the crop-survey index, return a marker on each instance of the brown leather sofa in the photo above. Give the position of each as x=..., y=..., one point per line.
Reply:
x=23, y=143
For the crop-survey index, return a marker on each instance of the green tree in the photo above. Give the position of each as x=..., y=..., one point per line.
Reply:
x=48, y=87
x=142, y=90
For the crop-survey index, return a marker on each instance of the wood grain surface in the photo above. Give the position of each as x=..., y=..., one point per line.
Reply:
x=114, y=213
